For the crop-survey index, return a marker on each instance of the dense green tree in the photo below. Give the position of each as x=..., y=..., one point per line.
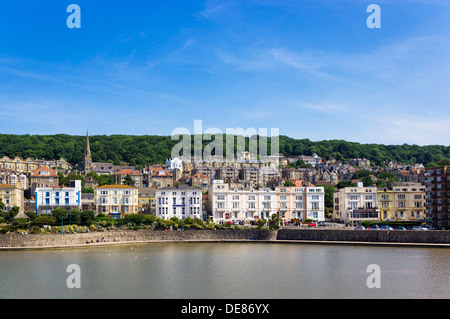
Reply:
x=87, y=217
x=300, y=164
x=74, y=216
x=14, y=211
x=102, y=179
x=440, y=163
x=44, y=219
x=150, y=149
x=343, y=184
x=60, y=213
x=128, y=180
x=65, y=180
x=88, y=190
x=135, y=219
x=387, y=176
x=368, y=181
x=329, y=191
x=360, y=174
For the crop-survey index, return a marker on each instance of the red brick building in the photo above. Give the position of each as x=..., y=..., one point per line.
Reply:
x=438, y=196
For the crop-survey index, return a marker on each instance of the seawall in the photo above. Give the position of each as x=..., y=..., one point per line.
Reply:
x=129, y=236
x=379, y=237
x=369, y=236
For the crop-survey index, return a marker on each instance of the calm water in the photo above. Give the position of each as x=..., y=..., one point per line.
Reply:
x=212, y=270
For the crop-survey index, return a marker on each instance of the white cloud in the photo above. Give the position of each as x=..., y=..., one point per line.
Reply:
x=413, y=129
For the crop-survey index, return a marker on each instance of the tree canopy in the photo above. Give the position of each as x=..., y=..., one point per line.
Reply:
x=150, y=149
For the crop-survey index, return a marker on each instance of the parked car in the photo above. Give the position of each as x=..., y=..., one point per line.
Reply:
x=432, y=228
x=321, y=223
x=399, y=228
x=312, y=224
x=419, y=228
x=359, y=228
x=373, y=227
x=386, y=227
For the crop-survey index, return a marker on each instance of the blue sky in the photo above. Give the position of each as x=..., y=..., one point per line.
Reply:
x=311, y=68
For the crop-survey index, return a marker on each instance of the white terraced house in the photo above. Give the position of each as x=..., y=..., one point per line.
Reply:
x=180, y=202
x=49, y=198
x=227, y=204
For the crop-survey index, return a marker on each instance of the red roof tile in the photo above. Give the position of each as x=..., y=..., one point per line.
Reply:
x=128, y=171
x=44, y=168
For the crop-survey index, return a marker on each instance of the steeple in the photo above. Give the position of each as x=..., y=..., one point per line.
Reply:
x=87, y=155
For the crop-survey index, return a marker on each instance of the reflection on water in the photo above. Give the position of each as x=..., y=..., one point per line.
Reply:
x=212, y=270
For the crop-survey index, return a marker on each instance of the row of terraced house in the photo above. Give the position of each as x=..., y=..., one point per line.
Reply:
x=223, y=203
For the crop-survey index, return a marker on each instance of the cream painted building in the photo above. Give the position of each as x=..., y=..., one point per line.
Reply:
x=28, y=165
x=11, y=196
x=44, y=177
x=356, y=204
x=402, y=202
x=116, y=201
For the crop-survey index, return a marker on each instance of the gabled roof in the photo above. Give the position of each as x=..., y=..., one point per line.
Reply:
x=128, y=171
x=90, y=179
x=163, y=174
x=42, y=169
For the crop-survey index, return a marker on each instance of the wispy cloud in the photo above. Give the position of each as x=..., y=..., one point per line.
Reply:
x=213, y=9
x=186, y=45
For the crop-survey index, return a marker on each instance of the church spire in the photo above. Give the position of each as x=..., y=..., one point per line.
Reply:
x=87, y=155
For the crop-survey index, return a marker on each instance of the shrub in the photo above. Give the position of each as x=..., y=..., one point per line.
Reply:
x=197, y=226
x=8, y=228
x=44, y=219
x=135, y=219
x=35, y=230
x=160, y=223
x=20, y=222
x=87, y=217
x=171, y=223
x=149, y=219
x=60, y=213
x=210, y=225
x=261, y=223
x=75, y=216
